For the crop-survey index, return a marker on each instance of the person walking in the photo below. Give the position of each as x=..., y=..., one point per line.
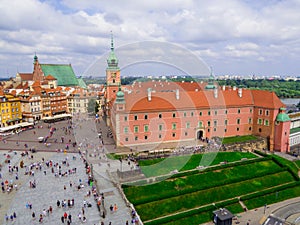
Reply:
x=70, y=218
x=33, y=215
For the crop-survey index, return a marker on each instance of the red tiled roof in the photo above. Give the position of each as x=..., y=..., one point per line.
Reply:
x=50, y=77
x=266, y=99
x=193, y=95
x=26, y=76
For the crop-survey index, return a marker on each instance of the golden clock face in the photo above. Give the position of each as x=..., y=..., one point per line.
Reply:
x=113, y=75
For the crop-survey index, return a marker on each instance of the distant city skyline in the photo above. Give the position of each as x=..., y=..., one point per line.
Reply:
x=234, y=37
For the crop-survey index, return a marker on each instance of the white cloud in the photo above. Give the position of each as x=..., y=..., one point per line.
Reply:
x=219, y=31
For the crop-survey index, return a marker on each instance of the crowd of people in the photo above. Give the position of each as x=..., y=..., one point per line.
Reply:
x=30, y=167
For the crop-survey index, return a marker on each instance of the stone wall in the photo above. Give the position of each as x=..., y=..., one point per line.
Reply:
x=259, y=144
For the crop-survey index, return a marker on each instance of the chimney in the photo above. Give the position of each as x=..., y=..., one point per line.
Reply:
x=234, y=88
x=216, y=93
x=223, y=87
x=240, y=92
x=149, y=94
x=177, y=94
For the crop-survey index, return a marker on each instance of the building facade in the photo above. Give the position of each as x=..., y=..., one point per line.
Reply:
x=10, y=109
x=154, y=112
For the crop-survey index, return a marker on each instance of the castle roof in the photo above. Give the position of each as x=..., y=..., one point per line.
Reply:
x=166, y=96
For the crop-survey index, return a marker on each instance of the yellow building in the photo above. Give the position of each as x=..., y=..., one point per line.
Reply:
x=10, y=110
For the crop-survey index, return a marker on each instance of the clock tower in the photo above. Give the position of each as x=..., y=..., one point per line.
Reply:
x=113, y=78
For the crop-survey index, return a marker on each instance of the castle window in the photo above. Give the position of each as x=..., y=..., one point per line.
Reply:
x=260, y=112
x=216, y=112
x=146, y=137
x=160, y=116
x=146, y=117
x=114, y=81
x=135, y=117
x=237, y=129
x=250, y=128
x=159, y=136
x=126, y=139
x=250, y=120
x=238, y=121
x=259, y=121
x=160, y=127
x=173, y=126
x=225, y=130
x=226, y=111
x=200, y=124
x=146, y=128
x=174, y=115
x=136, y=129
x=173, y=134
x=184, y=114
x=266, y=122
x=267, y=112
x=225, y=122
x=250, y=110
x=187, y=125
x=192, y=113
x=215, y=123
x=239, y=111
x=136, y=138
x=200, y=113
x=208, y=113
x=125, y=130
x=259, y=130
x=208, y=123
x=185, y=133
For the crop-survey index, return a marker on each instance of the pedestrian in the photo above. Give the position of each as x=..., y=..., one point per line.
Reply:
x=15, y=215
x=65, y=215
x=33, y=215
x=115, y=208
x=50, y=209
x=58, y=203
x=111, y=208
x=70, y=218
x=62, y=219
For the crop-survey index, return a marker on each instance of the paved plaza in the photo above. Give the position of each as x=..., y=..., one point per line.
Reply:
x=55, y=183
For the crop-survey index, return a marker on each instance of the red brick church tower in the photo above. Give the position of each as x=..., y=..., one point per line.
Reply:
x=113, y=78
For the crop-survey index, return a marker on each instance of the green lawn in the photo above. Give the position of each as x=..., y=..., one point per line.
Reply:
x=235, y=139
x=187, y=197
x=171, y=205
x=199, y=181
x=298, y=163
x=157, y=167
x=274, y=197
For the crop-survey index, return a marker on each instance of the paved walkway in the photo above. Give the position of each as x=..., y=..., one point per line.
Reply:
x=50, y=188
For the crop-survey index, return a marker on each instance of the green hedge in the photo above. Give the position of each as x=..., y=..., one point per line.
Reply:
x=271, y=190
x=292, y=168
x=276, y=195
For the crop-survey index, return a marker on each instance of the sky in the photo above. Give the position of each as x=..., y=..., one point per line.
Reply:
x=233, y=37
